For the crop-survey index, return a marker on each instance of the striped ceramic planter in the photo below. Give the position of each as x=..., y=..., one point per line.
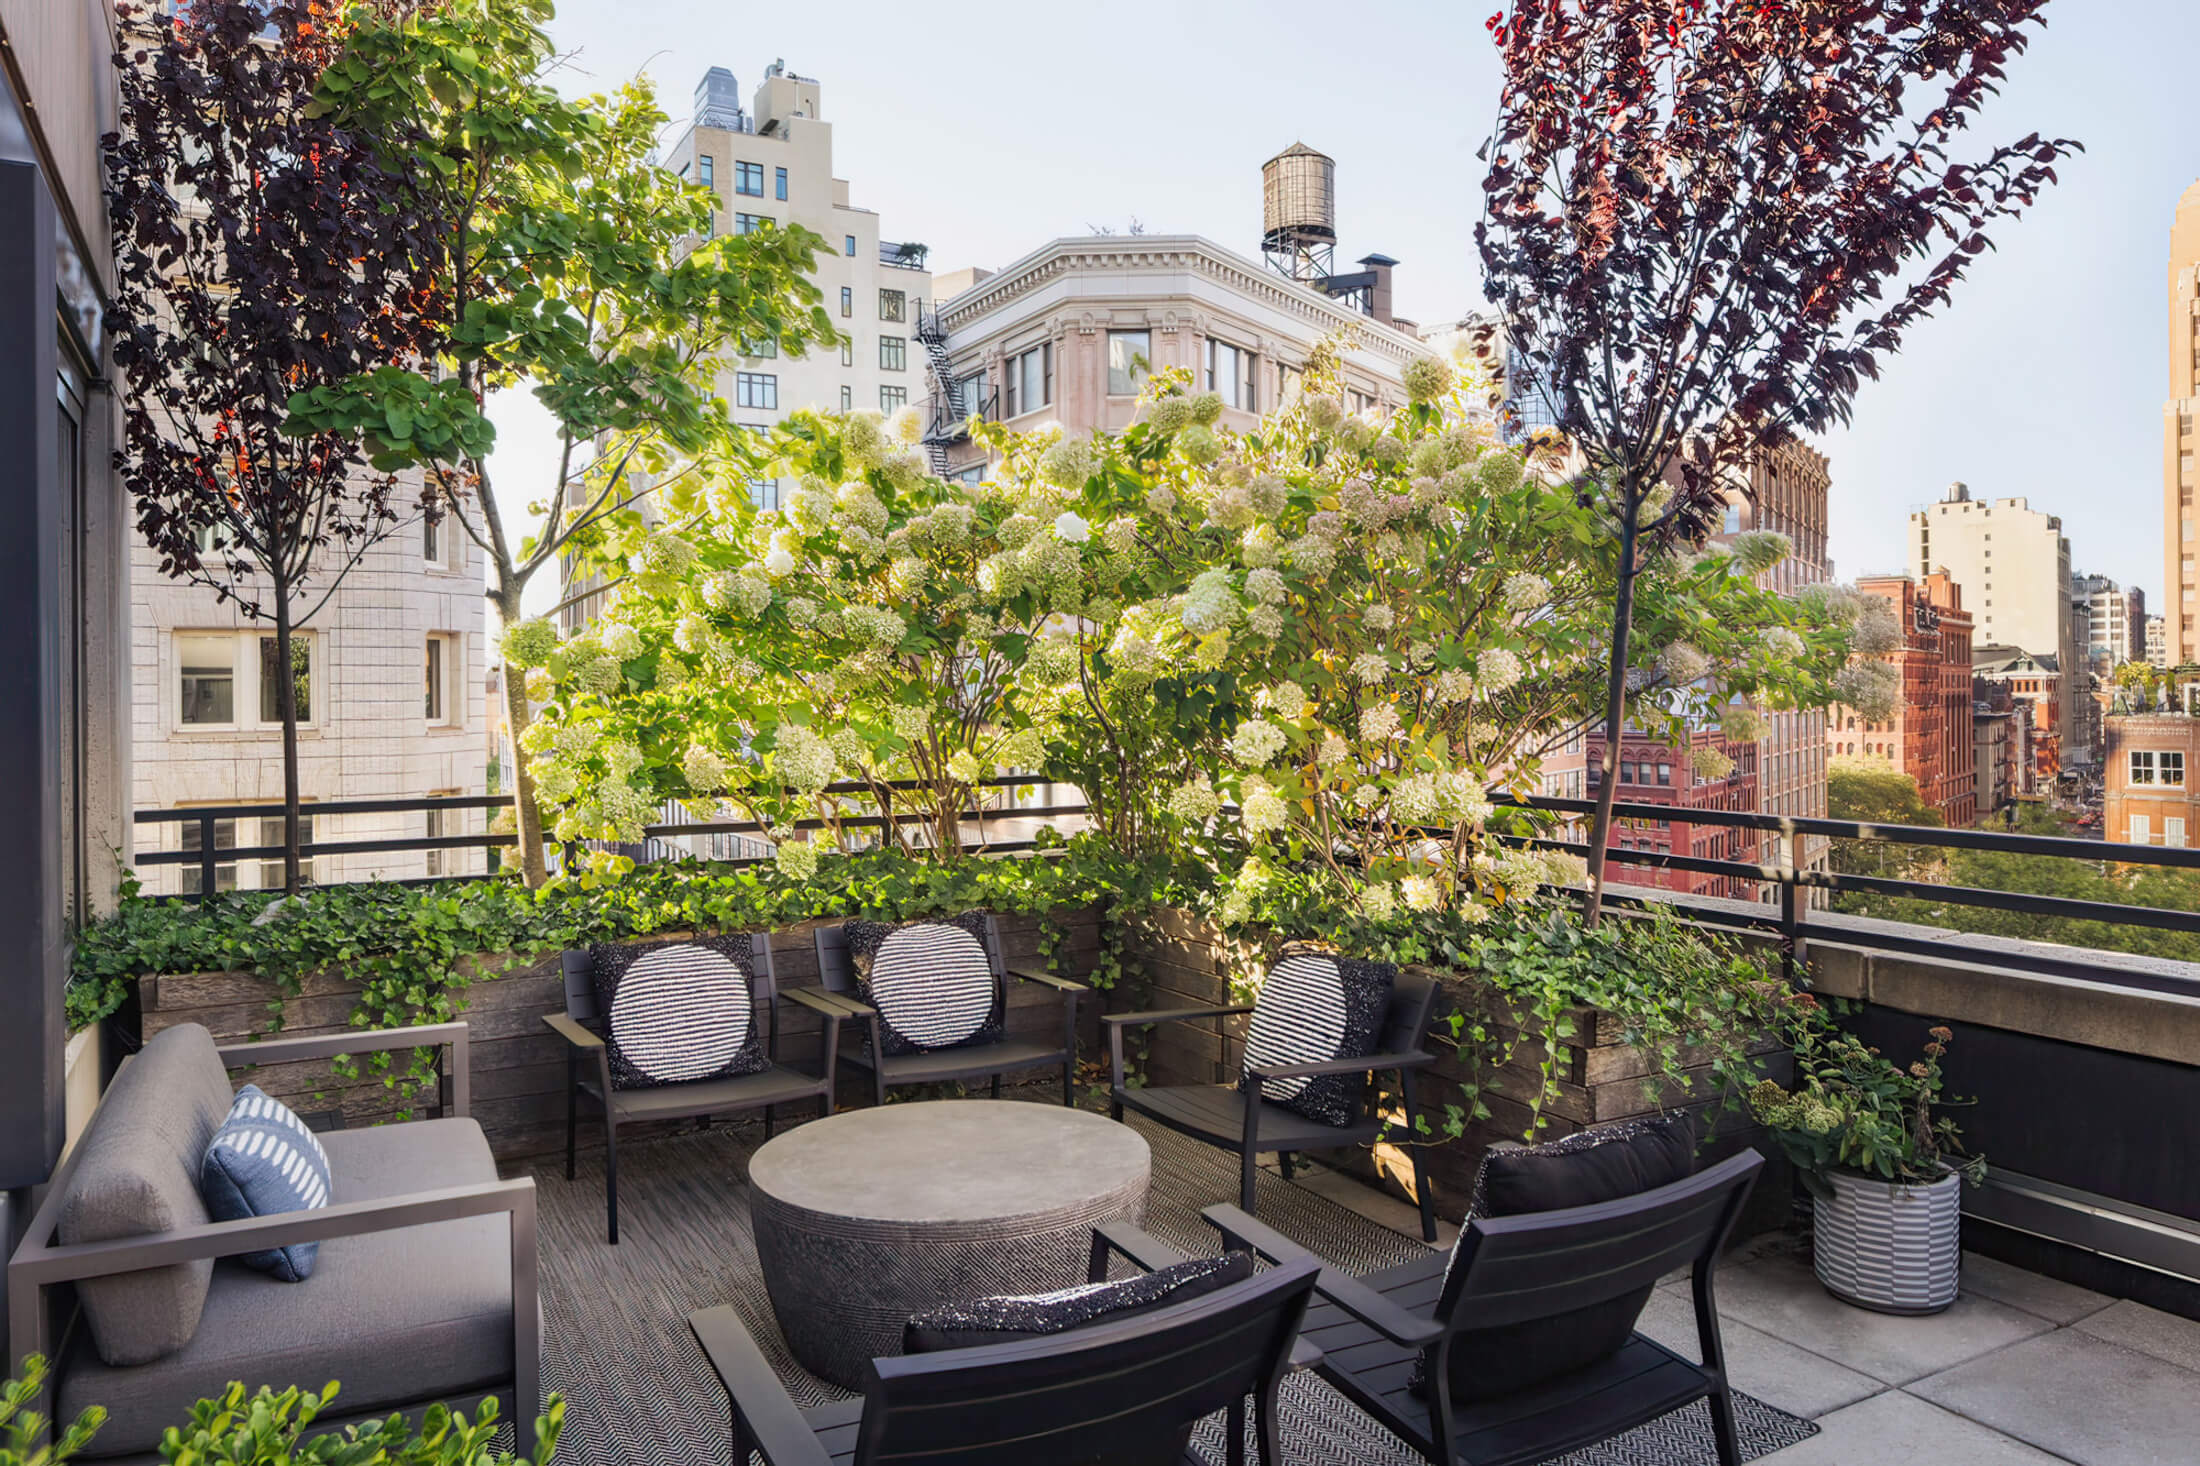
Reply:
x=1886, y=1246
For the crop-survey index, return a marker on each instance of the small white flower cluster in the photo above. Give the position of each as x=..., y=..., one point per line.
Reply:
x=1497, y=669
x=1211, y=604
x=1070, y=528
x=796, y=859
x=1287, y=700
x=1257, y=742
x=804, y=761
x=1427, y=379
x=1781, y=644
x=1378, y=617
x=529, y=643
x=1266, y=585
x=1069, y=463
x=1194, y=801
x=1682, y=664
x=1379, y=724
x=911, y=725
x=964, y=767
x=704, y=770
x=1872, y=689
x=665, y=555
x=1526, y=592
x=1710, y=763
x=1260, y=809
x=1878, y=628
x=1369, y=668
x=1453, y=686
x=881, y=628
x=1758, y=550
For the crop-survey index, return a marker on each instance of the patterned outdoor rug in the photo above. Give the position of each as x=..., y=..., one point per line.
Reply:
x=637, y=1389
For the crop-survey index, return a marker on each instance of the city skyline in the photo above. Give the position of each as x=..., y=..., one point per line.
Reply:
x=2042, y=380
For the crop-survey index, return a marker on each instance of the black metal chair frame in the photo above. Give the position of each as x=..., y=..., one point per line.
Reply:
x=1510, y=1270
x=588, y=1069
x=1065, y=1397
x=1236, y=1118
x=1005, y=1055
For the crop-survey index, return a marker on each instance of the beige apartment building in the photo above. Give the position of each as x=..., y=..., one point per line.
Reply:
x=771, y=167
x=390, y=674
x=2012, y=563
x=2180, y=524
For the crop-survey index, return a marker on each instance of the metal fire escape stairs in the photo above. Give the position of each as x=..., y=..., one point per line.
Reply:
x=950, y=416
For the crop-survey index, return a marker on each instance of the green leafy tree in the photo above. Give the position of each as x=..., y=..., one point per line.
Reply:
x=1874, y=792
x=569, y=264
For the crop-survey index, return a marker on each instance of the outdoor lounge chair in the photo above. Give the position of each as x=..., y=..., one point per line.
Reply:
x=1236, y=1117
x=424, y=1289
x=1508, y=1280
x=988, y=1058
x=588, y=1069
x=1127, y=1392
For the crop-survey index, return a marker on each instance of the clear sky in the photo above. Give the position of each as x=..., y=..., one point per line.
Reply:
x=984, y=129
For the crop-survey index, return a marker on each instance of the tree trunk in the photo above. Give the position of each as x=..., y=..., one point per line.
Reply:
x=1615, y=704
x=532, y=869
x=286, y=708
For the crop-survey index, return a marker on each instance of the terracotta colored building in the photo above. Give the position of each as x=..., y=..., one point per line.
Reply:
x=2153, y=762
x=1656, y=773
x=1930, y=737
x=2036, y=680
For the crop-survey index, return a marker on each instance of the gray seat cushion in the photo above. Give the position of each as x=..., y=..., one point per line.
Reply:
x=398, y=1318
x=137, y=1173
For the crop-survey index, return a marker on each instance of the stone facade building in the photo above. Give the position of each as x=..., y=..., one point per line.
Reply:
x=391, y=676
x=1930, y=737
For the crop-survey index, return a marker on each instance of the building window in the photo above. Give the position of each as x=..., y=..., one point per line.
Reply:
x=1733, y=519
x=748, y=178
x=271, y=871
x=847, y=302
x=1230, y=372
x=442, y=665
x=847, y=353
x=892, y=399
x=781, y=190
x=228, y=679
x=1030, y=383
x=1665, y=775
x=1130, y=359
x=756, y=389
x=751, y=223
x=847, y=398
x=893, y=353
x=764, y=494
x=2141, y=831
x=438, y=543
x=704, y=163
x=893, y=305
x=970, y=392
x=764, y=350
x=440, y=823
x=2173, y=831
x=850, y=249
x=2164, y=767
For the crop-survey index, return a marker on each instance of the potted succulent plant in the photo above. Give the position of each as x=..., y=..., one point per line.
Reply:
x=1885, y=1170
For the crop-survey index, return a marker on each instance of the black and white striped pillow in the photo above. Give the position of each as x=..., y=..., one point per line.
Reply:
x=678, y=1011
x=931, y=981
x=1314, y=1007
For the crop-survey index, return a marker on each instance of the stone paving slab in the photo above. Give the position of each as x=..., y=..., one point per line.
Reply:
x=1780, y=1296
x=2081, y=1397
x=1895, y=1429
x=2150, y=1331
x=2049, y=1298
x=1775, y=1371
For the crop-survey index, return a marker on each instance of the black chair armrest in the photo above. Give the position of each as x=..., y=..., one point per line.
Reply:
x=1240, y=1231
x=1171, y=1015
x=569, y=1028
x=1362, y=1065
x=1047, y=979
x=830, y=1006
x=762, y=1409
x=1125, y=1240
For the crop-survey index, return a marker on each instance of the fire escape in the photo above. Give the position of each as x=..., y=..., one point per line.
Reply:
x=950, y=413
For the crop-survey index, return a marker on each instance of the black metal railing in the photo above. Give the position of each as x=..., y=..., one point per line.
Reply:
x=210, y=857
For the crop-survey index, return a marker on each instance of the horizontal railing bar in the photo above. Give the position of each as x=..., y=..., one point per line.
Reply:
x=322, y=807
x=343, y=847
x=2109, y=912
x=861, y=821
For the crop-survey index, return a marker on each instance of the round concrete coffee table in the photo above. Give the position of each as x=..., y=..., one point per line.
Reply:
x=868, y=1217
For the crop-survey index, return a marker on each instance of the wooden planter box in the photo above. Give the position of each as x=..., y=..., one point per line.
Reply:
x=519, y=1065
x=1600, y=1076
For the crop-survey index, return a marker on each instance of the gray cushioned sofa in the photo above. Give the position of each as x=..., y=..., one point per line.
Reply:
x=425, y=1288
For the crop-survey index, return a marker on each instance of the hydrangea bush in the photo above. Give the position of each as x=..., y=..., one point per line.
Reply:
x=1338, y=641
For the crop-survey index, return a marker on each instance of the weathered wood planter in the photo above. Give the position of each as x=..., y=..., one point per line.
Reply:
x=1599, y=1076
x=518, y=1065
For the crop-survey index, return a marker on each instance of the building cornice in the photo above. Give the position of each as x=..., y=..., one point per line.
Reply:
x=1173, y=254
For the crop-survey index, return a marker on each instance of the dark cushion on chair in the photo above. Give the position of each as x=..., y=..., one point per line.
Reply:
x=1603, y=1164
x=931, y=981
x=674, y=1012
x=1002, y=1320
x=399, y=1318
x=1314, y=1007
x=137, y=1173
x=264, y=1160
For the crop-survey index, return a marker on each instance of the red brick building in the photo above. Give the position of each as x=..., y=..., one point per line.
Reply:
x=1930, y=736
x=1656, y=773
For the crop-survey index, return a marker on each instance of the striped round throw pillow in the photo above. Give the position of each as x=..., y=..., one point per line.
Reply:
x=263, y=1161
x=931, y=982
x=675, y=1012
x=1314, y=1007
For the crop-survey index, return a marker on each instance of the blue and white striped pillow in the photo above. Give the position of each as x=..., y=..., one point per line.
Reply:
x=263, y=1161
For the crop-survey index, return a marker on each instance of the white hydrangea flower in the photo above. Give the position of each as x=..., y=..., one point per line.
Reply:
x=1207, y=407
x=1071, y=528
x=540, y=685
x=1266, y=585
x=1257, y=742
x=907, y=575
x=1199, y=443
x=1120, y=534
x=1878, y=629
x=1758, y=550
x=1194, y=801
x=963, y=766
x=1413, y=801
x=1683, y=664
x=906, y=427
x=1377, y=617
x=1379, y=900
x=620, y=640
x=1427, y=379
x=1287, y=700
x=1261, y=810
x=1211, y=603
x=692, y=634
x=1333, y=751
x=599, y=675
x=1872, y=689
x=1710, y=763
x=1366, y=796
x=621, y=757
x=665, y=554
x=1421, y=893
x=805, y=761
x=1313, y=554
x=1454, y=685
x=1265, y=621
x=1526, y=592
x=1210, y=650
x=779, y=563
x=1781, y=644
x=704, y=770
x=1496, y=669
x=910, y=724
x=1068, y=464
x=1161, y=499
x=1170, y=414
x=529, y=643
x=1379, y=724
x=796, y=859
x=1369, y=668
